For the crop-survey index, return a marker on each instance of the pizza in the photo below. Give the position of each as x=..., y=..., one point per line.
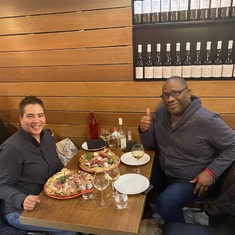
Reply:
x=99, y=161
x=66, y=183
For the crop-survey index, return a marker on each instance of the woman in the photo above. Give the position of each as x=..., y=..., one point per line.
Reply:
x=28, y=158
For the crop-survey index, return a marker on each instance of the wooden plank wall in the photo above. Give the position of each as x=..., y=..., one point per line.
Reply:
x=77, y=56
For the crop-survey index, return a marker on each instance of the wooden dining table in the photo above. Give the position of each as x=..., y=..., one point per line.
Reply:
x=80, y=215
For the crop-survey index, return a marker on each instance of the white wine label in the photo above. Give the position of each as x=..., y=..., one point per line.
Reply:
x=225, y=3
x=175, y=5
x=176, y=71
x=139, y=72
x=166, y=71
x=194, y=4
x=227, y=70
x=204, y=4
x=148, y=72
x=215, y=3
x=196, y=71
x=187, y=71
x=206, y=71
x=184, y=5
x=165, y=5
x=138, y=7
x=157, y=71
x=156, y=6
x=216, y=71
x=147, y=6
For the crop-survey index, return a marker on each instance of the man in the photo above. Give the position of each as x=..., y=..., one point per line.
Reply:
x=195, y=147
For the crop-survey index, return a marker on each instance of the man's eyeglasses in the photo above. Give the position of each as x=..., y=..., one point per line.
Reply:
x=174, y=94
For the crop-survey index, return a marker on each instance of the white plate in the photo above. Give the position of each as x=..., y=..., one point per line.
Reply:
x=131, y=183
x=128, y=159
x=85, y=147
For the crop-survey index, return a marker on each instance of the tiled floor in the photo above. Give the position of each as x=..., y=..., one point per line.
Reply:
x=150, y=227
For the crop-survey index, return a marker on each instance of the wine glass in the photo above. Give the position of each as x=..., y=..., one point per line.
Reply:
x=137, y=152
x=101, y=182
x=105, y=134
x=112, y=175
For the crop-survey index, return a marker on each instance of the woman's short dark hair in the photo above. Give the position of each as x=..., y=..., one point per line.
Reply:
x=29, y=100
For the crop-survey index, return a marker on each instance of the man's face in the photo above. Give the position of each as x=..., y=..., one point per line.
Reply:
x=177, y=104
x=33, y=120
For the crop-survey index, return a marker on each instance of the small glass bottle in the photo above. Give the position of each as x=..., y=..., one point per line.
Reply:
x=227, y=70
x=204, y=9
x=225, y=8
x=207, y=64
x=138, y=11
x=197, y=64
x=187, y=66
x=156, y=11
x=139, y=67
x=194, y=9
x=177, y=68
x=217, y=65
x=157, y=68
x=167, y=68
x=147, y=10
x=215, y=9
x=93, y=127
x=148, y=67
x=121, y=135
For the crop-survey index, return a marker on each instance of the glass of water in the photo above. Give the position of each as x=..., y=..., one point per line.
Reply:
x=121, y=200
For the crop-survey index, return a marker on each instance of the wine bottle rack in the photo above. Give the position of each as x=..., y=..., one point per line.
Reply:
x=182, y=32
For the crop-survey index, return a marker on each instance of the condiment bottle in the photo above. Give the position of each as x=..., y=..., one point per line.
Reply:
x=93, y=127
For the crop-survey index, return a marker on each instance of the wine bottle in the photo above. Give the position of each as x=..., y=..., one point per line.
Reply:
x=157, y=69
x=215, y=9
x=121, y=135
x=167, y=68
x=93, y=127
x=207, y=64
x=197, y=64
x=187, y=68
x=138, y=11
x=225, y=8
x=184, y=9
x=177, y=68
x=147, y=11
x=227, y=70
x=175, y=10
x=217, y=65
x=148, y=67
x=233, y=9
x=139, y=68
x=204, y=9
x=165, y=10
x=156, y=11
x=194, y=9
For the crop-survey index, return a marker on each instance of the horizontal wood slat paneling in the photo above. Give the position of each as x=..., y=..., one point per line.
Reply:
x=32, y=7
x=75, y=73
x=120, y=17
x=105, y=104
x=206, y=89
x=112, y=55
x=66, y=40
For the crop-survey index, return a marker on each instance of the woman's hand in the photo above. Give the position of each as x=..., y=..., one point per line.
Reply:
x=30, y=201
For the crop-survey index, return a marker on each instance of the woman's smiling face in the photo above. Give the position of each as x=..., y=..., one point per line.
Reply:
x=33, y=120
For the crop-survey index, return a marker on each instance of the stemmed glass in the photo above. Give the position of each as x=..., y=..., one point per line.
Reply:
x=104, y=134
x=101, y=182
x=112, y=175
x=137, y=152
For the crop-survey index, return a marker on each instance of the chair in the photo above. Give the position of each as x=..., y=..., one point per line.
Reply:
x=3, y=132
x=219, y=188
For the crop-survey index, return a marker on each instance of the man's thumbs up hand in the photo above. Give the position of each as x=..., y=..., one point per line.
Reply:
x=145, y=121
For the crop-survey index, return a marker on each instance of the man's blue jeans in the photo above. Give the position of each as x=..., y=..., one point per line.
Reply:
x=13, y=219
x=170, y=202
